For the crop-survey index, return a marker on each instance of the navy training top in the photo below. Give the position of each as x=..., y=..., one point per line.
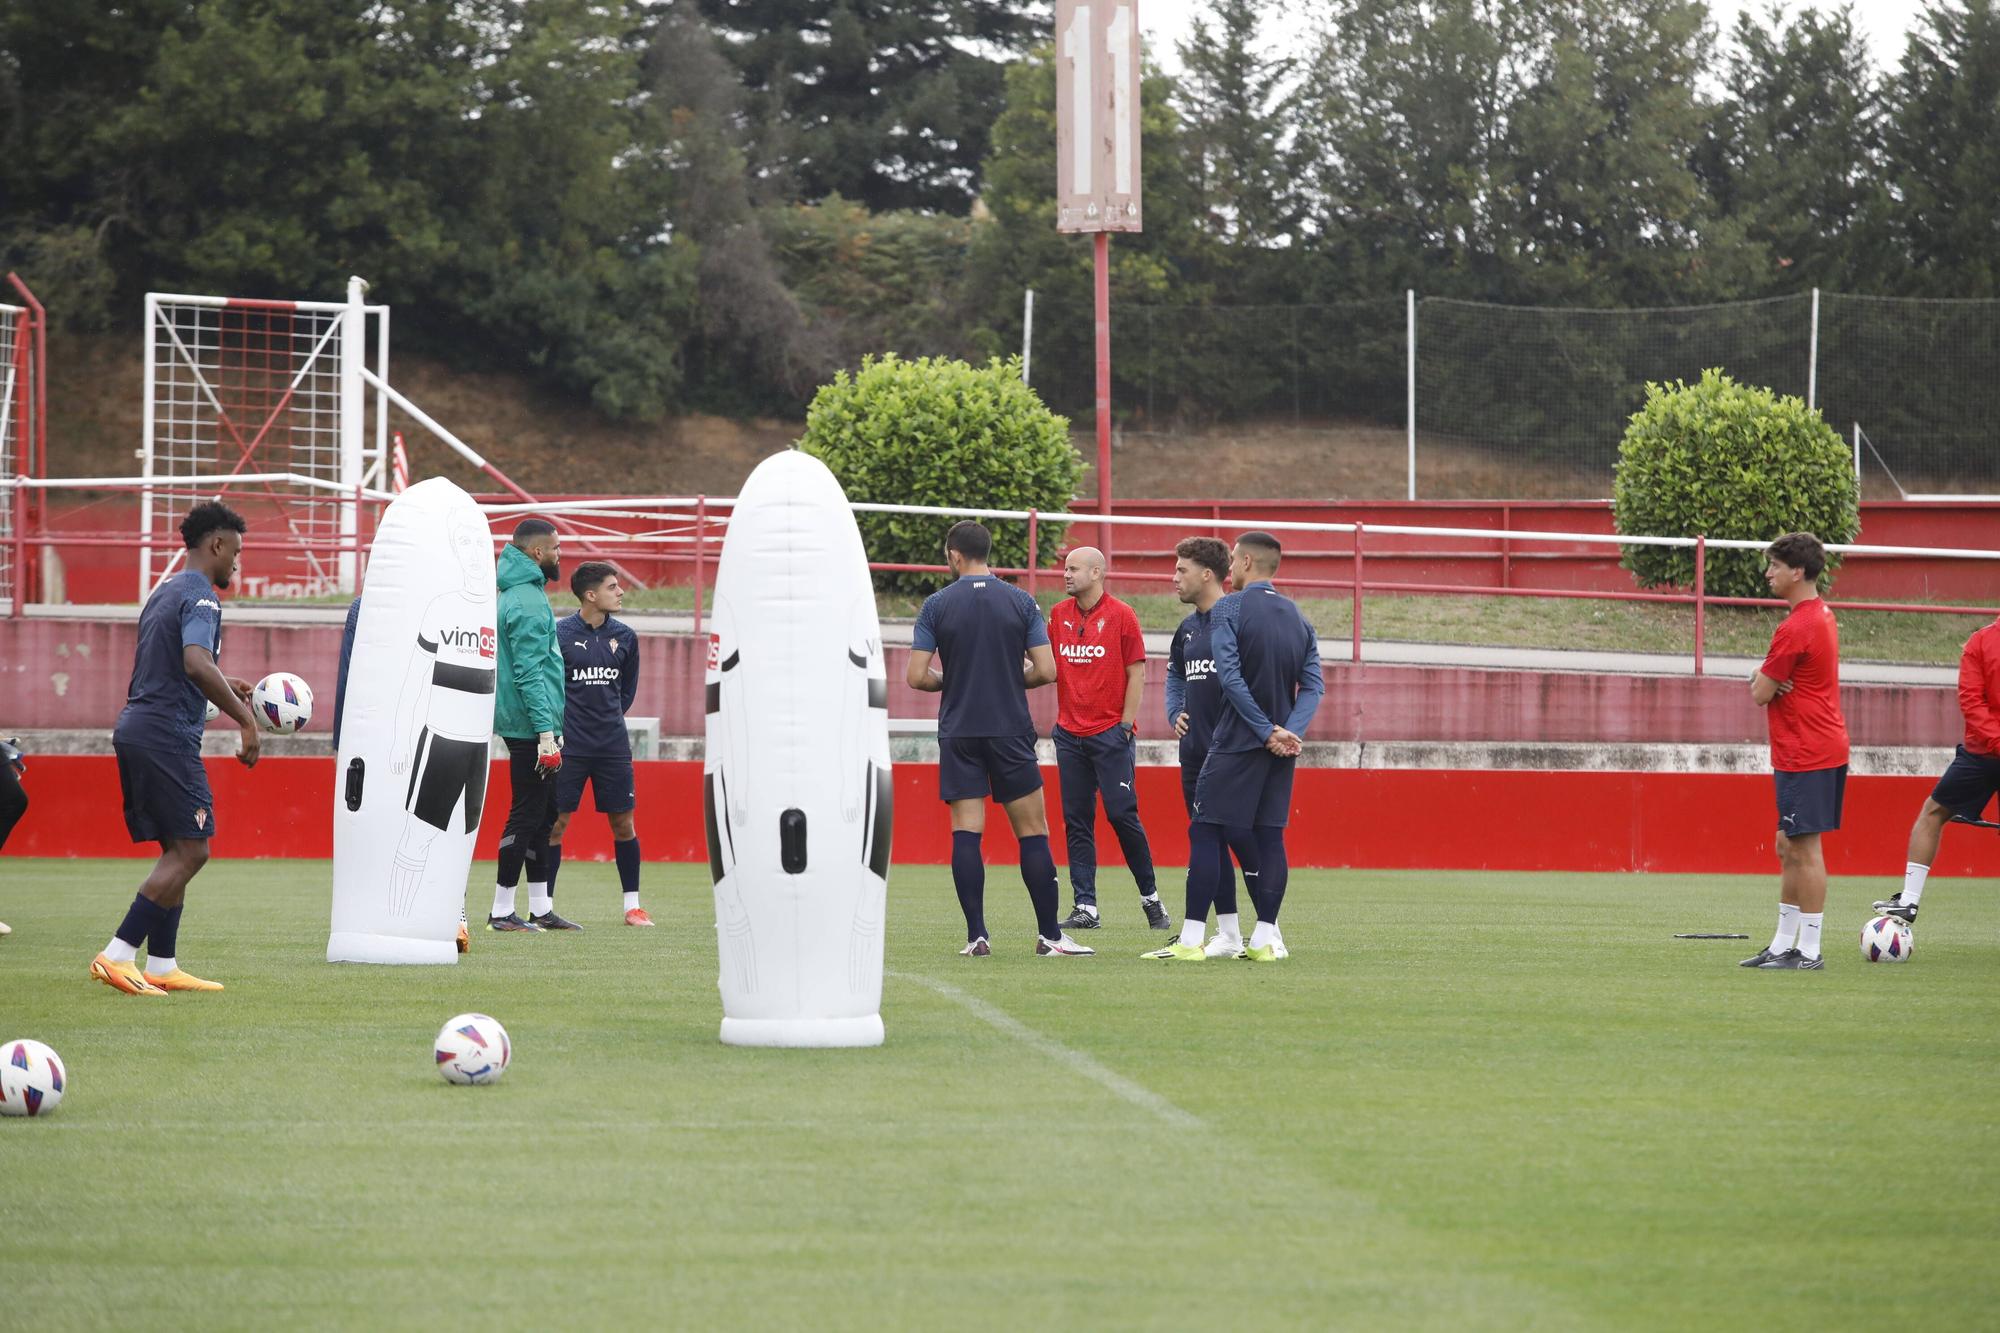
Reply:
x=163, y=708
x=1193, y=687
x=1267, y=661
x=982, y=626
x=600, y=680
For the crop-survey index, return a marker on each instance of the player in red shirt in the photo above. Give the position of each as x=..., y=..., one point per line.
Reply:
x=1974, y=775
x=1799, y=686
x=1100, y=678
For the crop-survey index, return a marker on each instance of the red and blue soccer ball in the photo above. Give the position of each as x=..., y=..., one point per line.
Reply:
x=1887, y=940
x=282, y=702
x=31, y=1078
x=473, y=1048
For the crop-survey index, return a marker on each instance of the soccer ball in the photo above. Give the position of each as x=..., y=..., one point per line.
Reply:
x=31, y=1078
x=473, y=1048
x=282, y=702
x=1887, y=940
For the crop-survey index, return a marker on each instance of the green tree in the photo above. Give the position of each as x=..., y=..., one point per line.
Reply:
x=1795, y=149
x=1942, y=148
x=1236, y=119
x=888, y=102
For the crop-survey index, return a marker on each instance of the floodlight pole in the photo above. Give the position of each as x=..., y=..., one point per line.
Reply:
x=1101, y=262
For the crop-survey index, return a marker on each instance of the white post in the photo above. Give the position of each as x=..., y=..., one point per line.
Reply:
x=1410, y=390
x=1027, y=334
x=353, y=358
x=146, y=455
x=378, y=466
x=1857, y=454
x=1812, y=357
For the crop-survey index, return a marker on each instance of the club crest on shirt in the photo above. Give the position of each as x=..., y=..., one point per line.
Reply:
x=201, y=818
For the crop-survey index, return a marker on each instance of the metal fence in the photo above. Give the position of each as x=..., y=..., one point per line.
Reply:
x=1439, y=398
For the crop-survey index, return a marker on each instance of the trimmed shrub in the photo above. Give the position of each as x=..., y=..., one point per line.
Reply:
x=941, y=432
x=1730, y=461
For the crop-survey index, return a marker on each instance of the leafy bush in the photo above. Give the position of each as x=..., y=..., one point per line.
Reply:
x=941, y=432
x=1730, y=461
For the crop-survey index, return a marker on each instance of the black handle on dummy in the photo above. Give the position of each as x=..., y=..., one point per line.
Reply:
x=357, y=774
x=792, y=841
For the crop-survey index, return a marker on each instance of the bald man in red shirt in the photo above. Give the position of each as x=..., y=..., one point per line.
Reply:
x=1973, y=777
x=1798, y=685
x=1100, y=678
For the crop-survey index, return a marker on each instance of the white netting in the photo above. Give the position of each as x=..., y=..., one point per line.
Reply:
x=13, y=391
x=241, y=387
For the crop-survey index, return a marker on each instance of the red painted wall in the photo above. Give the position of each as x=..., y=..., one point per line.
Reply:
x=1387, y=819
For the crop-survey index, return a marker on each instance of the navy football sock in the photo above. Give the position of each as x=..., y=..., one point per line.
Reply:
x=1243, y=842
x=968, y=876
x=165, y=934
x=1272, y=872
x=1205, y=861
x=551, y=863
x=141, y=919
x=627, y=853
x=1038, y=872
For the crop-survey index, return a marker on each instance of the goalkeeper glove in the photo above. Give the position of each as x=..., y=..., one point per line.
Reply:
x=548, y=755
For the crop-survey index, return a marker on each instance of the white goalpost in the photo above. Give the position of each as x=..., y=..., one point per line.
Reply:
x=240, y=389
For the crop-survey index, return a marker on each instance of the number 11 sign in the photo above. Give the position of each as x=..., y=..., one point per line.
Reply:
x=1097, y=115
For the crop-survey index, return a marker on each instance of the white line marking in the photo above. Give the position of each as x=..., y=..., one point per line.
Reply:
x=1142, y=1097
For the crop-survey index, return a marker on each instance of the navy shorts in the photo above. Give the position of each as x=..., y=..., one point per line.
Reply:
x=611, y=788
x=1244, y=789
x=166, y=794
x=1968, y=784
x=1190, y=779
x=971, y=767
x=1809, y=802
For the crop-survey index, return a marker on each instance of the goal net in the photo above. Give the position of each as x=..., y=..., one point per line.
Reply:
x=261, y=403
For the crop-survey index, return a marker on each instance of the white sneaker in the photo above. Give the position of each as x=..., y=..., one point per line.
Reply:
x=1061, y=946
x=979, y=948
x=1224, y=946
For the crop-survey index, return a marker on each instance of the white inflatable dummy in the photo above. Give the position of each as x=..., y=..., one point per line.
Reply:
x=411, y=774
x=796, y=782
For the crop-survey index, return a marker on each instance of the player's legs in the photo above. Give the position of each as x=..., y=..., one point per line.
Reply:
x=1266, y=843
x=625, y=851
x=1965, y=788
x=1076, y=782
x=1114, y=757
x=153, y=920
x=964, y=786
x=527, y=801
x=13, y=800
x=542, y=863
x=1030, y=822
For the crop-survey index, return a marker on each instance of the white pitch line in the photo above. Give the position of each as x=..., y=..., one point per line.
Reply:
x=1142, y=1097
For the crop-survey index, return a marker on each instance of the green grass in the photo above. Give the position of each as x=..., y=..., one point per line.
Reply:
x=1468, y=1100
x=1519, y=622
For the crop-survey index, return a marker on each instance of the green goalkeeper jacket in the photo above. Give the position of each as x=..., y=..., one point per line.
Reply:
x=528, y=686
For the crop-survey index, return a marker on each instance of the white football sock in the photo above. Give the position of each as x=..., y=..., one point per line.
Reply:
x=1149, y=897
x=159, y=967
x=1192, y=932
x=1090, y=908
x=1914, y=876
x=118, y=951
x=1809, y=924
x=1227, y=924
x=539, y=902
x=1262, y=934
x=632, y=901
x=503, y=900
x=1788, y=928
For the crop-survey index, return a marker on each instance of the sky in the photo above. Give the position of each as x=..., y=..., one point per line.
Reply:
x=1166, y=22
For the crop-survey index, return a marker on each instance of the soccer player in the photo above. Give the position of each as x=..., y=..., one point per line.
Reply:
x=995, y=649
x=1100, y=684
x=1267, y=664
x=601, y=657
x=1973, y=776
x=13, y=799
x=1194, y=698
x=347, y=629
x=158, y=740
x=528, y=715
x=1798, y=686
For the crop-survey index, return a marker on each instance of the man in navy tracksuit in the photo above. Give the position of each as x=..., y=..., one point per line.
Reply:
x=1267, y=661
x=1194, y=699
x=601, y=669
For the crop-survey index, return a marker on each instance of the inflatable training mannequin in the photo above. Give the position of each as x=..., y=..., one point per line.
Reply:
x=796, y=780
x=418, y=715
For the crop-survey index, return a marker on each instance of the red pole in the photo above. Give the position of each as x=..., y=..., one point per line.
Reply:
x=1506, y=547
x=700, y=521
x=1357, y=592
x=1700, y=596
x=1101, y=260
x=18, y=599
x=1034, y=551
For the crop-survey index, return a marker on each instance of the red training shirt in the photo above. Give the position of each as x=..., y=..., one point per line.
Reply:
x=1092, y=651
x=1979, y=690
x=1807, y=730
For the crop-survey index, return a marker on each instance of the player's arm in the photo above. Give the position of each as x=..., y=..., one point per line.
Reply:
x=1134, y=645
x=1774, y=676
x=1973, y=700
x=1312, y=688
x=1177, y=687
x=918, y=671
x=1229, y=673
x=1040, y=667
x=1763, y=689
x=628, y=677
x=200, y=667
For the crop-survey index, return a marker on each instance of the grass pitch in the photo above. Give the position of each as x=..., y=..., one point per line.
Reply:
x=1467, y=1100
